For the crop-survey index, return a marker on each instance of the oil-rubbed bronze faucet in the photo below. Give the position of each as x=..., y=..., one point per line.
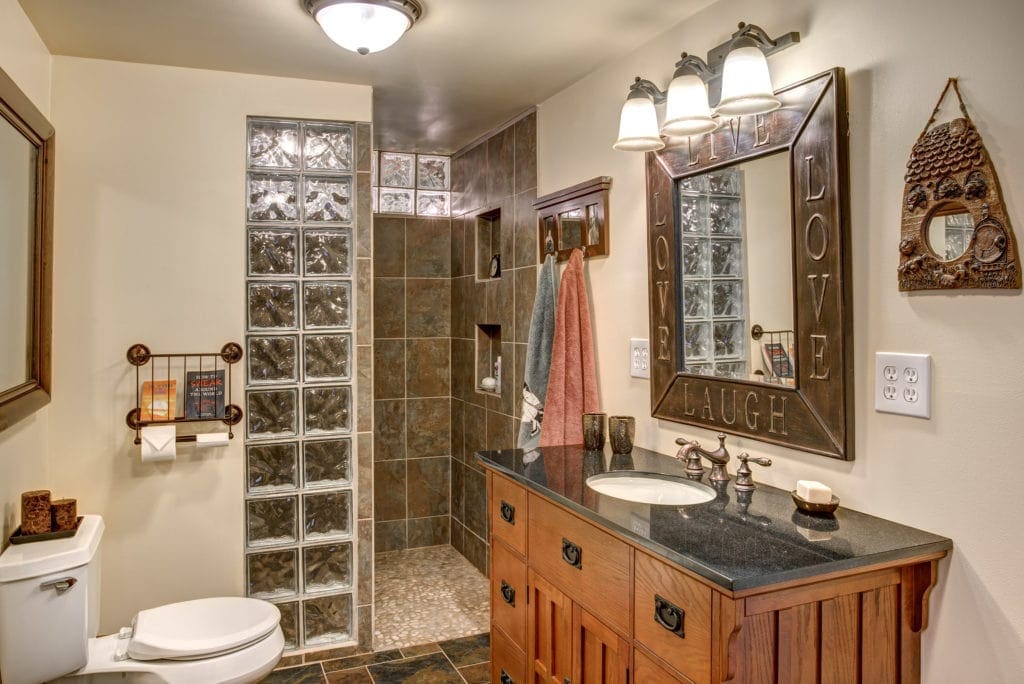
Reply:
x=744, y=475
x=692, y=452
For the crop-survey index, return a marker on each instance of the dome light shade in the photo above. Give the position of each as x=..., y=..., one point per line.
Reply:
x=687, y=111
x=638, y=126
x=364, y=26
x=746, y=84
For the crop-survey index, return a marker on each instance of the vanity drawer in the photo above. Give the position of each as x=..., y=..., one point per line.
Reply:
x=507, y=505
x=647, y=670
x=508, y=593
x=588, y=564
x=508, y=663
x=672, y=617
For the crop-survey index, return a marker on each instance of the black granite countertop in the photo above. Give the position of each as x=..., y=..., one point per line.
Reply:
x=739, y=540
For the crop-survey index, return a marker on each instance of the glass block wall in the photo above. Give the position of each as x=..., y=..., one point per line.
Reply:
x=303, y=224
x=411, y=184
x=714, y=303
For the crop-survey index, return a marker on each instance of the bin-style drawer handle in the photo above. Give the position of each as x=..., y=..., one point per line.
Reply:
x=508, y=512
x=505, y=679
x=572, y=554
x=508, y=594
x=669, y=616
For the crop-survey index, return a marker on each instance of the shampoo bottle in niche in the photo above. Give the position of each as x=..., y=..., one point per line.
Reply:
x=497, y=375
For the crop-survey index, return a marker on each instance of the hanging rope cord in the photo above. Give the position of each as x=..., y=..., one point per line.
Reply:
x=953, y=81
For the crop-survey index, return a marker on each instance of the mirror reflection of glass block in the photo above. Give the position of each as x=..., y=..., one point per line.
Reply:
x=272, y=521
x=273, y=359
x=728, y=340
x=374, y=195
x=327, y=515
x=272, y=252
x=327, y=146
x=696, y=341
x=272, y=413
x=272, y=574
x=327, y=568
x=327, y=357
x=327, y=253
x=694, y=183
x=724, y=182
x=327, y=463
x=273, y=305
x=695, y=257
x=700, y=368
x=394, y=201
x=327, y=409
x=272, y=467
x=327, y=619
x=397, y=170
x=692, y=210
x=724, y=216
x=273, y=144
x=327, y=304
x=290, y=624
x=433, y=203
x=273, y=197
x=727, y=258
x=327, y=199
x=433, y=172
x=695, y=299
x=727, y=298
x=736, y=369
x=374, y=156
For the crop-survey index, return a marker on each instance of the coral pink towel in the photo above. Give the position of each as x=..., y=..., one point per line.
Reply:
x=572, y=382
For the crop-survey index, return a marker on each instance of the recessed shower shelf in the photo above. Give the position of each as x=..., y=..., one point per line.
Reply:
x=171, y=368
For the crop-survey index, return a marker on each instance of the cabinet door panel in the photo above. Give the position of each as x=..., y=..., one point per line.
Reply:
x=508, y=592
x=507, y=511
x=549, y=649
x=600, y=656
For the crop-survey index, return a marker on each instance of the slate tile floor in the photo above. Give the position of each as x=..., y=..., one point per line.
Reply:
x=456, y=661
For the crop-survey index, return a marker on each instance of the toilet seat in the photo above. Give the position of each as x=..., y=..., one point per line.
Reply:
x=202, y=628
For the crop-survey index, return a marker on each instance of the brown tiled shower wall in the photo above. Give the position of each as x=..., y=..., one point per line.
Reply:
x=428, y=303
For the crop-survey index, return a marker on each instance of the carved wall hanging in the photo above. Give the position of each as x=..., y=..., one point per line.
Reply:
x=955, y=233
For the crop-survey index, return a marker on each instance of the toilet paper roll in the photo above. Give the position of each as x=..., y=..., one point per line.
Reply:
x=159, y=443
x=211, y=439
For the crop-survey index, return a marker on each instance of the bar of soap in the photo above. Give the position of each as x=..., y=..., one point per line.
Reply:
x=35, y=511
x=64, y=514
x=813, y=492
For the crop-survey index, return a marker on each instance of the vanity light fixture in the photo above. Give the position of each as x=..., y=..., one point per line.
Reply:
x=737, y=67
x=364, y=26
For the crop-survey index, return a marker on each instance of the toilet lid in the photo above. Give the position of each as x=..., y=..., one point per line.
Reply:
x=200, y=628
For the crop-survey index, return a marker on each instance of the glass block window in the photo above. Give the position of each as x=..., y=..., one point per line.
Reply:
x=713, y=268
x=411, y=184
x=300, y=452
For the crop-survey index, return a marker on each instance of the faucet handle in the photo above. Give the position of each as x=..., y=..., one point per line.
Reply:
x=690, y=452
x=744, y=479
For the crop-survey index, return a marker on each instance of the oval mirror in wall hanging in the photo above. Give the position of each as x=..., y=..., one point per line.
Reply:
x=955, y=232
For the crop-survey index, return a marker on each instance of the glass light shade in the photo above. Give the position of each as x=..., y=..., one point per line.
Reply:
x=746, y=84
x=638, y=126
x=687, y=111
x=363, y=27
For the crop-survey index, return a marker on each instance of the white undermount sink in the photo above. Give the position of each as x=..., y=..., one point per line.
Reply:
x=651, y=488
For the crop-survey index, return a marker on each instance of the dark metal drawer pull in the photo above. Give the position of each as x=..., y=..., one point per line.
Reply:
x=572, y=554
x=508, y=594
x=508, y=512
x=669, y=616
x=505, y=679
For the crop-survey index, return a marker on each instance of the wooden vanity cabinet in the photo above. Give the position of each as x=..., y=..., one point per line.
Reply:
x=596, y=608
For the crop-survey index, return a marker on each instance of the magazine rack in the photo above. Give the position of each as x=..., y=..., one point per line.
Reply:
x=177, y=367
x=776, y=354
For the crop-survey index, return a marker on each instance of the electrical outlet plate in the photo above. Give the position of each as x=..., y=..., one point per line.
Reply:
x=903, y=384
x=639, y=358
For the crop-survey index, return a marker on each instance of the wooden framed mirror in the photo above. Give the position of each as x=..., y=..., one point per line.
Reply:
x=26, y=254
x=748, y=239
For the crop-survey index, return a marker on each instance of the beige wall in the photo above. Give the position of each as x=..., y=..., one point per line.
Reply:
x=956, y=474
x=24, y=448
x=149, y=248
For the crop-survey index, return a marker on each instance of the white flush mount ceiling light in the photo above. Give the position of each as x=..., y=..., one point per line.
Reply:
x=737, y=67
x=364, y=26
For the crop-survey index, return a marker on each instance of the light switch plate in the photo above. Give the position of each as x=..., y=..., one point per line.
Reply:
x=903, y=384
x=639, y=358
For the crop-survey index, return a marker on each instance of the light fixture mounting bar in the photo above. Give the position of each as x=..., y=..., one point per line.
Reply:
x=751, y=34
x=641, y=87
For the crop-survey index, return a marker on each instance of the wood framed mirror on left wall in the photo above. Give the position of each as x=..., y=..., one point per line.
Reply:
x=26, y=254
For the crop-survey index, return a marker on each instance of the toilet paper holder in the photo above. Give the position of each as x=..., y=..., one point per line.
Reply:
x=156, y=386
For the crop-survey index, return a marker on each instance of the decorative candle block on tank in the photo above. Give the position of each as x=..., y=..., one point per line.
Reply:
x=64, y=514
x=35, y=512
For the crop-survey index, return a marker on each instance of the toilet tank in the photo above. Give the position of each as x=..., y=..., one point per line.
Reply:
x=44, y=632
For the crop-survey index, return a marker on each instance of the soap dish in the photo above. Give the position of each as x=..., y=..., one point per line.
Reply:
x=808, y=507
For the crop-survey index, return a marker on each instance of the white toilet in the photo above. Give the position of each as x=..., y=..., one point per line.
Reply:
x=49, y=616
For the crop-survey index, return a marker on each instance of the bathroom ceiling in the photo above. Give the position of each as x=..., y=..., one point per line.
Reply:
x=464, y=68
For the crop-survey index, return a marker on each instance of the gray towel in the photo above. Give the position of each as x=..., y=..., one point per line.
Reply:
x=538, y=356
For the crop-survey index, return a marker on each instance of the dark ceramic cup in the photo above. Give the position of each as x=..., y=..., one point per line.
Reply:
x=621, y=430
x=593, y=431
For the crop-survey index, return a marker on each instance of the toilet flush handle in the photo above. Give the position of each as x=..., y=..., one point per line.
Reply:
x=59, y=585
